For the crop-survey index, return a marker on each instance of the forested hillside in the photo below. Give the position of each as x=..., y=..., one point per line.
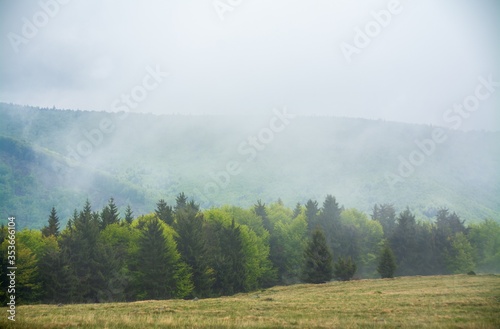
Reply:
x=57, y=158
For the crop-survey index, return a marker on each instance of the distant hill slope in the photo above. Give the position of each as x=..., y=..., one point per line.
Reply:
x=58, y=158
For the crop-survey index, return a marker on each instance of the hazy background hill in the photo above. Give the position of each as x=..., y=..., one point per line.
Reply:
x=140, y=158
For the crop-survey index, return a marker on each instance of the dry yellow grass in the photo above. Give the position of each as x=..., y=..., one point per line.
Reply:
x=459, y=301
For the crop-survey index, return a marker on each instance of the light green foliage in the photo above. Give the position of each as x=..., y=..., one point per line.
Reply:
x=460, y=258
x=292, y=237
x=32, y=239
x=369, y=235
x=485, y=238
x=255, y=246
x=27, y=287
x=277, y=212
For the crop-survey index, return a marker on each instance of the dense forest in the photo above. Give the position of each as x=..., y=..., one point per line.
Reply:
x=181, y=251
x=60, y=157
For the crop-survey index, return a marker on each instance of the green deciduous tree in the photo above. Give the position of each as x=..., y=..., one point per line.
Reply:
x=485, y=239
x=459, y=257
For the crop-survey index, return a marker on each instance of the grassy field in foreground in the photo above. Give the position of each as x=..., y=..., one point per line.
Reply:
x=458, y=301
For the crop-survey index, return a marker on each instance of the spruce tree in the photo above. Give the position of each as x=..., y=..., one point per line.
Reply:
x=318, y=266
x=129, y=215
x=109, y=214
x=260, y=210
x=404, y=243
x=312, y=211
x=329, y=221
x=227, y=258
x=80, y=246
x=385, y=214
x=54, y=273
x=297, y=210
x=344, y=269
x=158, y=272
x=53, y=225
x=192, y=247
x=164, y=212
x=181, y=202
x=387, y=264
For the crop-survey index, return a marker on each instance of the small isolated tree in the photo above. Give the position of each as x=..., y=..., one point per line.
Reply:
x=344, y=269
x=387, y=264
x=318, y=267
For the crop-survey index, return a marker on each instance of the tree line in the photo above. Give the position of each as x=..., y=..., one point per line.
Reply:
x=181, y=251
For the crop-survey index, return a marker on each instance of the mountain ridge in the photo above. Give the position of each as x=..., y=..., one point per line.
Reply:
x=152, y=156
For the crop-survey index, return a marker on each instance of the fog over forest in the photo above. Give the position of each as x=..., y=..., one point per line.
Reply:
x=157, y=150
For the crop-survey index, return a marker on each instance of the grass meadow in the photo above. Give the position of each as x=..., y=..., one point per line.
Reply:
x=457, y=301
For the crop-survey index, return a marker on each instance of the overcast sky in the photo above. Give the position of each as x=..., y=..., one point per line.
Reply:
x=250, y=56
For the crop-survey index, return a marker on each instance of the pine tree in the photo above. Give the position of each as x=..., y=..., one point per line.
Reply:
x=54, y=273
x=260, y=210
x=312, y=211
x=109, y=214
x=344, y=269
x=181, y=202
x=129, y=215
x=164, y=212
x=227, y=258
x=297, y=210
x=318, y=267
x=192, y=247
x=84, y=254
x=53, y=225
x=404, y=243
x=275, y=249
x=387, y=263
x=329, y=221
x=385, y=214
x=158, y=272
